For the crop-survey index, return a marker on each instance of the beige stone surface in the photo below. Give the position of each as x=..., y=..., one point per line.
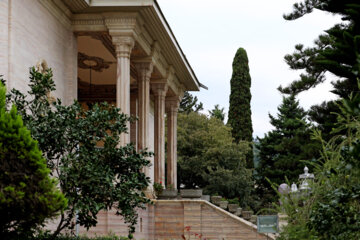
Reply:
x=159, y=90
x=35, y=34
x=4, y=37
x=173, y=218
x=170, y=219
x=172, y=106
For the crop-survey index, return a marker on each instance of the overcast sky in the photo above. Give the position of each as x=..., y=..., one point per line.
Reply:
x=210, y=32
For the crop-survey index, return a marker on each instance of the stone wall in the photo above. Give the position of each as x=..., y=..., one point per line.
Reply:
x=109, y=223
x=30, y=31
x=170, y=219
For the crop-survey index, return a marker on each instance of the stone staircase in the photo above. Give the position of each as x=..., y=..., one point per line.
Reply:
x=192, y=218
x=179, y=219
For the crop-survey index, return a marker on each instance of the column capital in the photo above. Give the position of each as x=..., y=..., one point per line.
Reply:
x=172, y=103
x=123, y=45
x=144, y=68
x=159, y=88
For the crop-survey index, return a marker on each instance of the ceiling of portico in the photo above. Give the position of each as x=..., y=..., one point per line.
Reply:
x=96, y=50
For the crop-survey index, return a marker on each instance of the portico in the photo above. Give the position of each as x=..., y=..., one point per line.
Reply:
x=149, y=73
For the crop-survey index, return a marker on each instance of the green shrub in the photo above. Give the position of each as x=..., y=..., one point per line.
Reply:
x=28, y=195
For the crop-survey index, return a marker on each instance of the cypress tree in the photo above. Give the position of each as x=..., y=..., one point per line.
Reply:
x=240, y=97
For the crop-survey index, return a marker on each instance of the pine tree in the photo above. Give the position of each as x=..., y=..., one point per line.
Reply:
x=28, y=195
x=218, y=113
x=189, y=104
x=240, y=97
x=282, y=150
x=334, y=52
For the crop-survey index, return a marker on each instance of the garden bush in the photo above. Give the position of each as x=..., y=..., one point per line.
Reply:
x=28, y=195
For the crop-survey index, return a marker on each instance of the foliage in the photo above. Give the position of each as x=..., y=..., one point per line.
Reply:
x=218, y=113
x=158, y=188
x=332, y=210
x=323, y=117
x=240, y=97
x=82, y=149
x=282, y=150
x=333, y=52
x=208, y=158
x=28, y=195
x=189, y=103
x=233, y=201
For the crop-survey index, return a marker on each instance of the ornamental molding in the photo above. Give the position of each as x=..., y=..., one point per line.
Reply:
x=99, y=63
x=88, y=23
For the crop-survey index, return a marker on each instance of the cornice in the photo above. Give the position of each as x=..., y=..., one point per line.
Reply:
x=174, y=83
x=88, y=23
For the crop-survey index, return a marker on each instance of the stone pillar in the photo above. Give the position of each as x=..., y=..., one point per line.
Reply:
x=144, y=70
x=159, y=91
x=134, y=113
x=172, y=106
x=123, y=45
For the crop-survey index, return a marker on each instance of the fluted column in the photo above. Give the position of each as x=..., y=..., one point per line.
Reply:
x=159, y=91
x=134, y=113
x=144, y=70
x=172, y=106
x=123, y=45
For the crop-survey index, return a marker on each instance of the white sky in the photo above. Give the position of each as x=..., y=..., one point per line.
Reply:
x=210, y=32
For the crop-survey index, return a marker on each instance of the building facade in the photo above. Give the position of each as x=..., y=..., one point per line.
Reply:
x=120, y=51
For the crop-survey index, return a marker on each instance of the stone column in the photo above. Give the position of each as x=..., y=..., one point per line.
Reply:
x=134, y=113
x=144, y=70
x=172, y=106
x=159, y=91
x=123, y=45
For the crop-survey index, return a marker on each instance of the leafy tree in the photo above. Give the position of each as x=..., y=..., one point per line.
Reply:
x=81, y=147
x=282, y=150
x=218, y=113
x=333, y=52
x=27, y=193
x=209, y=159
x=332, y=209
x=189, y=103
x=240, y=97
